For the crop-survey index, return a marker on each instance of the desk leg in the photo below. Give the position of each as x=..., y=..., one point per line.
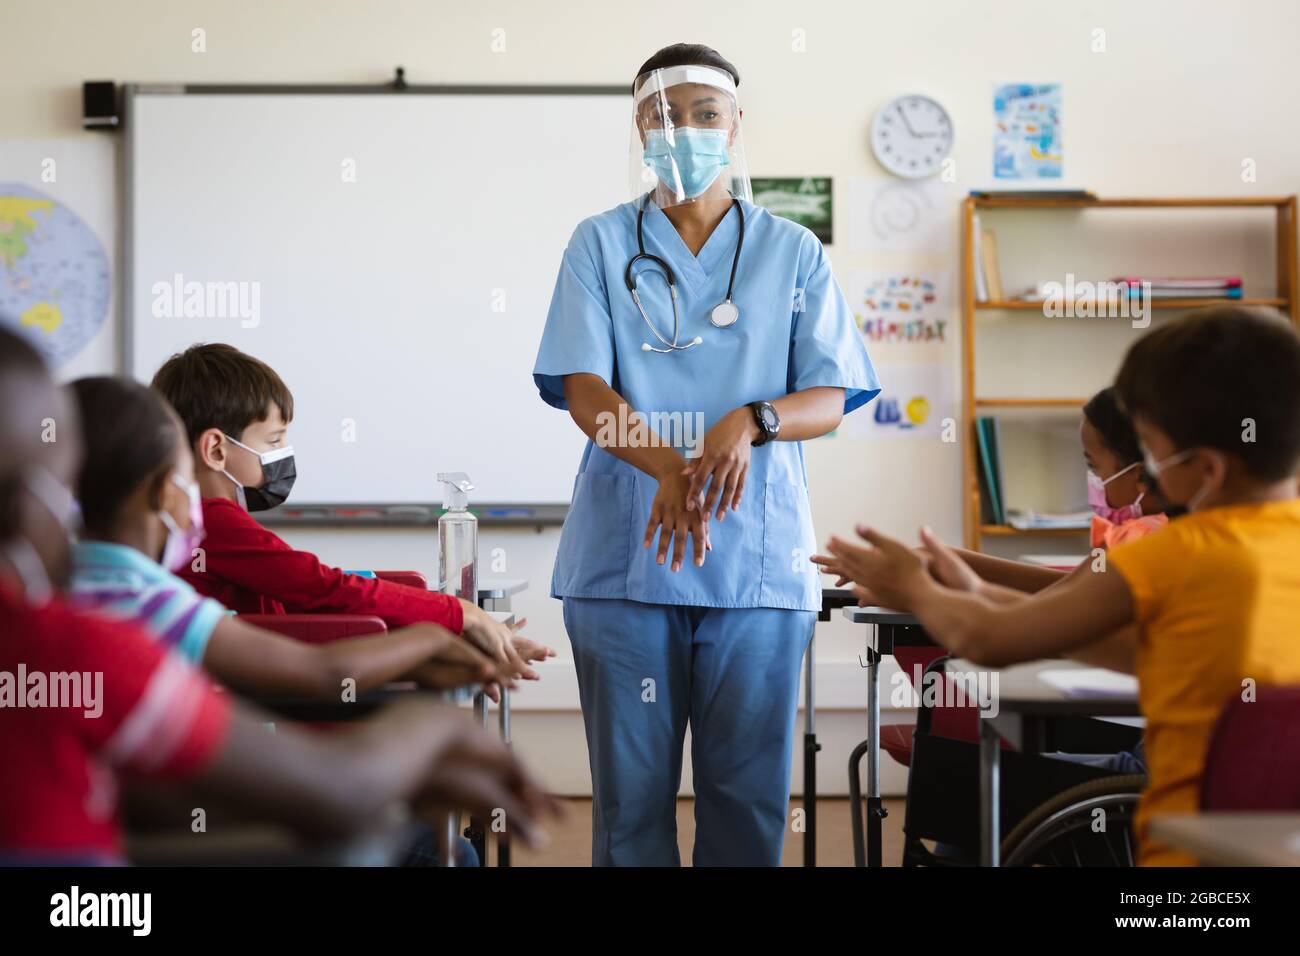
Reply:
x=875, y=811
x=810, y=748
x=476, y=832
x=990, y=796
x=503, y=838
x=453, y=825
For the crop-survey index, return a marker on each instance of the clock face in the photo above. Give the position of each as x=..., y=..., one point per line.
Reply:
x=912, y=136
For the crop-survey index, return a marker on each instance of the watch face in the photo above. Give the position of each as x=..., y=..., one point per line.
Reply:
x=911, y=136
x=768, y=414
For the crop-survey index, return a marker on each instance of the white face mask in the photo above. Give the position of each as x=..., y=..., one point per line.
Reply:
x=1155, y=468
x=22, y=554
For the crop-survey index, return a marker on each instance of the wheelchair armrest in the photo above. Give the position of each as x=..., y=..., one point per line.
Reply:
x=318, y=628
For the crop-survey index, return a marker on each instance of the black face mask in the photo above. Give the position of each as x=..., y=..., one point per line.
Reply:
x=278, y=474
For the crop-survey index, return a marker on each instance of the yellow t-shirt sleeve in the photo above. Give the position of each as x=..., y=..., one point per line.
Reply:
x=1149, y=566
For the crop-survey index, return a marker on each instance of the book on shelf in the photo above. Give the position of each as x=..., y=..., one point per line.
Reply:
x=1191, y=287
x=990, y=471
x=977, y=263
x=1049, y=520
x=1206, y=283
x=989, y=263
x=1136, y=293
x=1132, y=288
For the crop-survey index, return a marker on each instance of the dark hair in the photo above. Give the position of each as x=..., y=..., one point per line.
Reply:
x=129, y=433
x=687, y=54
x=18, y=356
x=20, y=366
x=1204, y=378
x=1116, y=429
x=218, y=386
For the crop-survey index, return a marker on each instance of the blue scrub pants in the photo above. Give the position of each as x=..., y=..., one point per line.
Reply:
x=645, y=671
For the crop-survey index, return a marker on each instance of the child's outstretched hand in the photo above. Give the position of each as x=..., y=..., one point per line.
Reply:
x=946, y=566
x=527, y=648
x=886, y=573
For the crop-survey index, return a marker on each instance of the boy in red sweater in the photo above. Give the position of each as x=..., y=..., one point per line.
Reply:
x=237, y=411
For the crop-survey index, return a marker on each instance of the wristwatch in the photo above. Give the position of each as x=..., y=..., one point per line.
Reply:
x=769, y=422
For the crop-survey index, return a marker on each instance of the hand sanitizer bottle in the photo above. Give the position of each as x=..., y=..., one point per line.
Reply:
x=457, y=539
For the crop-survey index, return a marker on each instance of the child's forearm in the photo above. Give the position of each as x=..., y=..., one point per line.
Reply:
x=1016, y=575
x=1116, y=652
x=1036, y=626
x=372, y=661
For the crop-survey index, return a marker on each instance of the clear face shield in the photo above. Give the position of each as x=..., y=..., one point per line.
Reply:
x=686, y=145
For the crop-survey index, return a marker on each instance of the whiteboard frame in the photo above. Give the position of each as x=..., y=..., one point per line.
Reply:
x=317, y=514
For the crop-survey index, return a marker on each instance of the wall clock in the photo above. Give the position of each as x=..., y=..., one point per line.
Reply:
x=911, y=136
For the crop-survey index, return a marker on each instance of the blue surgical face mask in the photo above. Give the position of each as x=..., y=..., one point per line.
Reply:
x=691, y=162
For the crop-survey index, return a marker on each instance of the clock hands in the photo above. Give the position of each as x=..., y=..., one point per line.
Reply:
x=915, y=134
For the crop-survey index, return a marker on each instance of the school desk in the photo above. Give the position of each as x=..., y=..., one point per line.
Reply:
x=1029, y=714
x=1238, y=838
x=889, y=629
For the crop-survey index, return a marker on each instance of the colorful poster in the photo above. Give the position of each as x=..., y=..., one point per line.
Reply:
x=909, y=326
x=1027, y=131
x=806, y=201
x=915, y=401
x=905, y=309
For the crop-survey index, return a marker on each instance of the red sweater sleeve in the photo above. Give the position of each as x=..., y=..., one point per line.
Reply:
x=242, y=553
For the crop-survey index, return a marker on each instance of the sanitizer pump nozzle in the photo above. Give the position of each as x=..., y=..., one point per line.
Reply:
x=457, y=539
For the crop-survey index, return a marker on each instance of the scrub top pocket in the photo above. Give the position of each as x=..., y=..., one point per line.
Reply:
x=789, y=578
x=593, y=555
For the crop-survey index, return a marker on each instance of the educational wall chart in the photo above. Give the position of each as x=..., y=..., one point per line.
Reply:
x=1027, y=131
x=806, y=201
x=56, y=260
x=890, y=215
x=907, y=321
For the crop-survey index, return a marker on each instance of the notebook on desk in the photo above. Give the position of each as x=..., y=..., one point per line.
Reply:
x=1091, y=682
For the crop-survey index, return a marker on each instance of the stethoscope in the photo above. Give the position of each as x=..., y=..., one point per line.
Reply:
x=724, y=315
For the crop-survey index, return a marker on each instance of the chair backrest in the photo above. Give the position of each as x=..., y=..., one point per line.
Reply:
x=413, y=579
x=318, y=628
x=1253, y=762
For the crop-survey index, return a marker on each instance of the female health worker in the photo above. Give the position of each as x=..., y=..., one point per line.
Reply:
x=691, y=305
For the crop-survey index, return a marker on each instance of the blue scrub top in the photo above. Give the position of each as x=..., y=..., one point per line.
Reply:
x=796, y=331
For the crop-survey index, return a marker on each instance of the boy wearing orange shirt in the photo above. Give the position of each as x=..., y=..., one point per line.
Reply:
x=1215, y=398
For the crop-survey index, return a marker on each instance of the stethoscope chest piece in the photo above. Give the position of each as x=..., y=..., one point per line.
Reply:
x=724, y=314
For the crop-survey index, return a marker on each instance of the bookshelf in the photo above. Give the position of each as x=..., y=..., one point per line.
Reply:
x=999, y=399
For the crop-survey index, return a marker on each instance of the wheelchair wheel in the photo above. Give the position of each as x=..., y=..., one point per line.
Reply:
x=1063, y=831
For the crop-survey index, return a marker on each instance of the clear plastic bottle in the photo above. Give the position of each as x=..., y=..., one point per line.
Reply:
x=457, y=539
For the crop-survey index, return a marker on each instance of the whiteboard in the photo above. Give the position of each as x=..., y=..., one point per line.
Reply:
x=391, y=256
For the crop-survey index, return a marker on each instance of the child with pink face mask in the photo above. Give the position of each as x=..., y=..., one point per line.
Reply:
x=1125, y=503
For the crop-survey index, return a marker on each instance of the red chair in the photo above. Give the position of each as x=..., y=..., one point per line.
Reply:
x=318, y=628
x=955, y=723
x=323, y=628
x=1253, y=762
x=412, y=579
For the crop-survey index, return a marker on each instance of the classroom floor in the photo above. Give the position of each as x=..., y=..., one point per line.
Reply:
x=571, y=837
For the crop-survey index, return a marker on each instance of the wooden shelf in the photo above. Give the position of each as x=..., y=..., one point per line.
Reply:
x=1267, y=202
x=1030, y=402
x=1027, y=305
x=1282, y=209
x=1007, y=531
